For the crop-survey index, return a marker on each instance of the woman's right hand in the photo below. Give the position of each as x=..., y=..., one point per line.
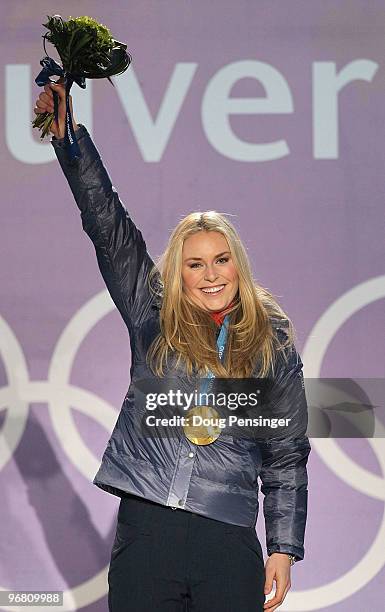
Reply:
x=44, y=104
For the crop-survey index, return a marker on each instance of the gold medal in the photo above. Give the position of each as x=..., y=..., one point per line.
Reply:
x=201, y=425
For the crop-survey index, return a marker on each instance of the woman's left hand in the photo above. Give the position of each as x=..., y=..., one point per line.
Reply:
x=277, y=568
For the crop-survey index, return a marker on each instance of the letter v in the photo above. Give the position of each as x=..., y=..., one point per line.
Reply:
x=152, y=136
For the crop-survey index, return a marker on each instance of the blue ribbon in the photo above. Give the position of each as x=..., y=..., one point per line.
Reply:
x=52, y=68
x=221, y=344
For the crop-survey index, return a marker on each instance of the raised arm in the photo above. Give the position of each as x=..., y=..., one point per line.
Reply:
x=120, y=248
x=284, y=473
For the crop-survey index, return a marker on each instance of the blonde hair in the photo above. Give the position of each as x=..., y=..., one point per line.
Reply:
x=188, y=333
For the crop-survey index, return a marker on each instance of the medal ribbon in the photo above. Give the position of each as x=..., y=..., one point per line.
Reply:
x=221, y=345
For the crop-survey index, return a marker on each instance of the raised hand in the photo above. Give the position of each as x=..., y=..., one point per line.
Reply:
x=45, y=104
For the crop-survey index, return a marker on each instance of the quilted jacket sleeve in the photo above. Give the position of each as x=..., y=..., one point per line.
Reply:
x=284, y=458
x=120, y=248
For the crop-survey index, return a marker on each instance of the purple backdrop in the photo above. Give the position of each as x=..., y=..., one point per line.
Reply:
x=270, y=111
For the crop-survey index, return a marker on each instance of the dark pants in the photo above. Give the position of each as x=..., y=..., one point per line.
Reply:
x=176, y=561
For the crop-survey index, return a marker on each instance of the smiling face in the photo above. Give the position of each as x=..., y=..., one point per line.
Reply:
x=209, y=276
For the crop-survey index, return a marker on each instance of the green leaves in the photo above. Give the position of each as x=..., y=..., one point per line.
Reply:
x=87, y=51
x=86, y=47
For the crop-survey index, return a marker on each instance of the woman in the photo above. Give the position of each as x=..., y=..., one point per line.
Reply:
x=189, y=501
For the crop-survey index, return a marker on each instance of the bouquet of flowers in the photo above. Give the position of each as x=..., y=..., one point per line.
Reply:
x=87, y=50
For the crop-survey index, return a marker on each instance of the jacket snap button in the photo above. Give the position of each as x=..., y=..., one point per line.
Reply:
x=180, y=502
x=191, y=454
